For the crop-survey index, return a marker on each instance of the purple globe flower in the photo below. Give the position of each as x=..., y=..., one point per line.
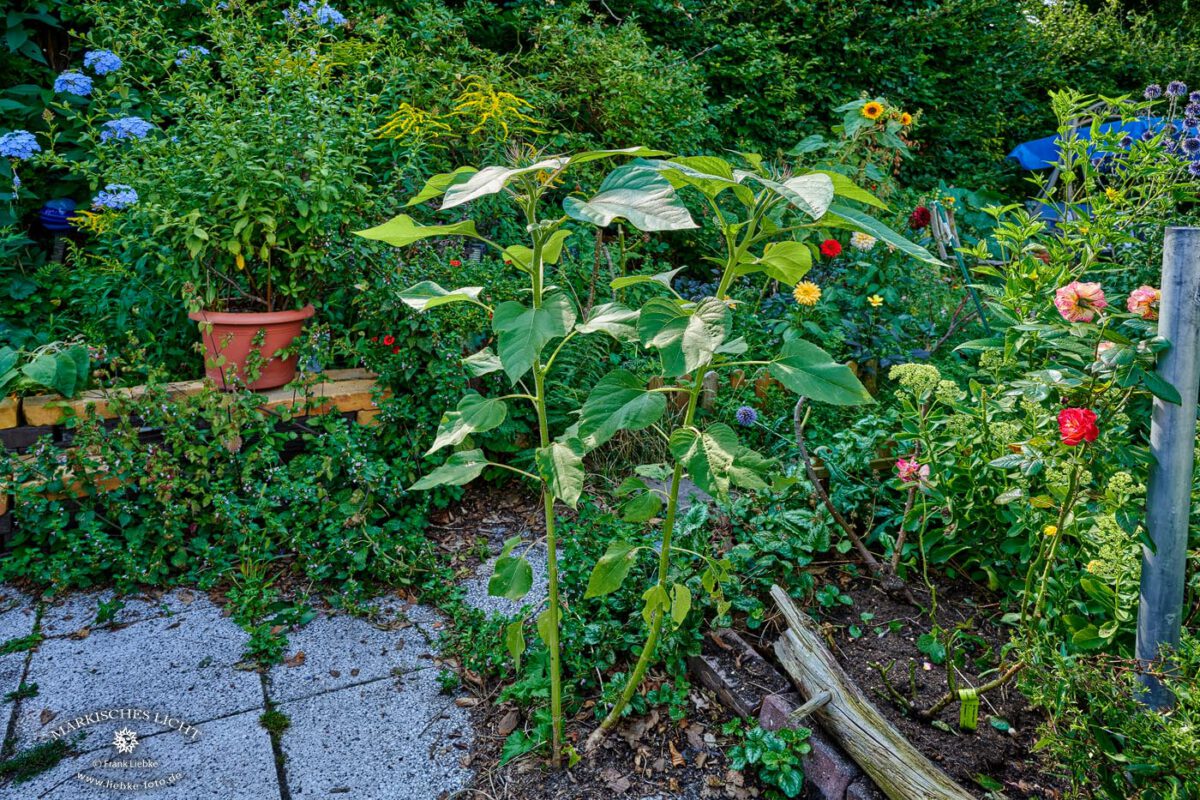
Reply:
x=1147, y=136
x=1153, y=92
x=115, y=196
x=1191, y=145
x=19, y=145
x=73, y=83
x=746, y=416
x=125, y=128
x=1126, y=141
x=1194, y=169
x=1176, y=89
x=101, y=62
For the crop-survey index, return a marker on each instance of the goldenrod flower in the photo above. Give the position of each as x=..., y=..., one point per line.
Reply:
x=807, y=293
x=872, y=110
x=905, y=119
x=875, y=300
x=1050, y=530
x=1095, y=566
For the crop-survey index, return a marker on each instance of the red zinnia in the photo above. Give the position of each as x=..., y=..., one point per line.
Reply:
x=395, y=350
x=831, y=248
x=454, y=262
x=389, y=340
x=919, y=218
x=1077, y=425
x=374, y=339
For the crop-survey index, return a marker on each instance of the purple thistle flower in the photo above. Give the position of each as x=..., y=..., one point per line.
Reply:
x=1147, y=136
x=115, y=196
x=746, y=416
x=19, y=145
x=1153, y=92
x=1194, y=169
x=1176, y=89
x=1191, y=122
x=73, y=83
x=125, y=128
x=101, y=62
x=1126, y=141
x=1191, y=145
x=1192, y=109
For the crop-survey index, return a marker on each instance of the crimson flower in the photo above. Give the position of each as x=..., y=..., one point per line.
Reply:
x=1077, y=425
x=395, y=350
x=919, y=218
x=831, y=248
x=454, y=262
x=389, y=340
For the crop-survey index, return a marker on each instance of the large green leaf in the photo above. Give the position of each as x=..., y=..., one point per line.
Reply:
x=681, y=603
x=610, y=571
x=664, y=278
x=474, y=414
x=616, y=320
x=808, y=370
x=522, y=256
x=635, y=193
x=491, y=180
x=66, y=377
x=524, y=331
x=8, y=359
x=750, y=469
x=709, y=175
x=636, y=152
x=620, y=401
x=844, y=187
x=707, y=455
x=561, y=467
x=482, y=363
x=427, y=294
x=857, y=220
x=511, y=579
x=42, y=370
x=812, y=193
x=786, y=262
x=685, y=335
x=460, y=468
x=438, y=184
x=403, y=230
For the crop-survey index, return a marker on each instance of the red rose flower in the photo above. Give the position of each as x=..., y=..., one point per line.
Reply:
x=389, y=340
x=395, y=350
x=454, y=262
x=831, y=248
x=1077, y=425
x=919, y=218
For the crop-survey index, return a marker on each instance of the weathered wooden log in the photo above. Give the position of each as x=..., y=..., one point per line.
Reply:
x=900, y=769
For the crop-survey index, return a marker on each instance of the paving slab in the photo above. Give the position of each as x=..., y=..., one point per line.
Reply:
x=182, y=664
x=338, y=650
x=18, y=613
x=476, y=586
x=70, y=613
x=229, y=758
x=392, y=739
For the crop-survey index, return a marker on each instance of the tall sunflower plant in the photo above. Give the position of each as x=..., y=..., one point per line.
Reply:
x=762, y=219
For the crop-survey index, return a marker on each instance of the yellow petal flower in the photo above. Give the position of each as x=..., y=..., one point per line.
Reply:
x=872, y=110
x=875, y=300
x=807, y=293
x=1050, y=530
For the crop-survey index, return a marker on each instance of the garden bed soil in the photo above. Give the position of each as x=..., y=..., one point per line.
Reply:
x=1002, y=756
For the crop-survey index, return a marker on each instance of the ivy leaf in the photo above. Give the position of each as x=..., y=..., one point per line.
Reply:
x=524, y=331
x=474, y=414
x=491, y=180
x=620, y=401
x=686, y=336
x=403, y=230
x=637, y=194
x=482, y=363
x=427, y=294
x=610, y=571
x=857, y=220
x=438, y=184
x=616, y=320
x=786, y=262
x=514, y=640
x=512, y=578
x=707, y=455
x=808, y=370
x=561, y=467
x=681, y=603
x=462, y=467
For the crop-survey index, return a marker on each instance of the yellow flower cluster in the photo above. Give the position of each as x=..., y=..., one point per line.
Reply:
x=479, y=103
x=874, y=109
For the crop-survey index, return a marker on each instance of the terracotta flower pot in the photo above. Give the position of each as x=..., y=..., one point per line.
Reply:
x=232, y=336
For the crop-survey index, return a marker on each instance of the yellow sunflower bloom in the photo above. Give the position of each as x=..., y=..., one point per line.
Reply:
x=905, y=119
x=872, y=110
x=807, y=293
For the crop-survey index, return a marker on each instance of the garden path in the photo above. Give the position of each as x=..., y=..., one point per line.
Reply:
x=367, y=716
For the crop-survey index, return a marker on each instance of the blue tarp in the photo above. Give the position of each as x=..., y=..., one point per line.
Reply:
x=1043, y=153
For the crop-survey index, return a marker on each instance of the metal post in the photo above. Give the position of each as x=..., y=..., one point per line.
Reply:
x=1172, y=440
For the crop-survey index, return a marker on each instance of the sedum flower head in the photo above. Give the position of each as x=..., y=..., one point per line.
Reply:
x=919, y=379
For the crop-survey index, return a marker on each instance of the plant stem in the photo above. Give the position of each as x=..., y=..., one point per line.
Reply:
x=664, y=565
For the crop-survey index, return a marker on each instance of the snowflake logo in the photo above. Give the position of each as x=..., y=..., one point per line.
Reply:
x=125, y=740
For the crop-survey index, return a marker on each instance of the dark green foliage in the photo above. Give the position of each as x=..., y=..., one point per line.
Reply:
x=774, y=757
x=34, y=761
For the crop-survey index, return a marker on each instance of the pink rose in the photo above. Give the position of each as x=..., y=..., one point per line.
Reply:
x=912, y=471
x=1079, y=302
x=1143, y=301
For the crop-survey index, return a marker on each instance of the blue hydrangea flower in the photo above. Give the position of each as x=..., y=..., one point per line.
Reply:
x=324, y=14
x=73, y=82
x=1194, y=169
x=1153, y=92
x=746, y=416
x=1176, y=89
x=102, y=62
x=125, y=128
x=19, y=144
x=115, y=196
x=193, y=53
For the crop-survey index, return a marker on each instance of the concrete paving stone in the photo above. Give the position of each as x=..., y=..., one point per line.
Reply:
x=394, y=739
x=182, y=664
x=70, y=613
x=341, y=650
x=18, y=612
x=476, y=586
x=229, y=759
